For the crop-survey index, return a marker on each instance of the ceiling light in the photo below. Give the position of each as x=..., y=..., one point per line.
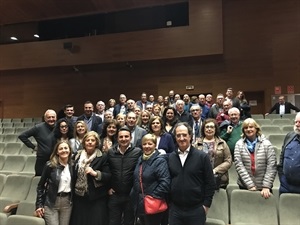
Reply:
x=36, y=35
x=14, y=38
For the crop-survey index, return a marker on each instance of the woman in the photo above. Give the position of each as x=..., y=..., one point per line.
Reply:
x=217, y=149
x=164, y=140
x=244, y=106
x=63, y=130
x=111, y=104
x=92, y=176
x=155, y=180
x=156, y=110
x=255, y=160
x=143, y=120
x=169, y=118
x=121, y=119
x=53, y=200
x=79, y=132
x=109, y=135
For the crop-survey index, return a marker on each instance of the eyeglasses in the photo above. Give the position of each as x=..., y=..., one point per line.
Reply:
x=208, y=126
x=64, y=126
x=195, y=110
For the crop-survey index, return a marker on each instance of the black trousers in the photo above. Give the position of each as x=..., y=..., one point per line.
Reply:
x=192, y=216
x=120, y=210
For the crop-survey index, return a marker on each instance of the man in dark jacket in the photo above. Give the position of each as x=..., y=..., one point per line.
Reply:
x=283, y=107
x=43, y=135
x=192, y=185
x=122, y=159
x=289, y=163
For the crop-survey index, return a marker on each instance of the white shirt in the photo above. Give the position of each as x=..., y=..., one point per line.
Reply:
x=281, y=109
x=183, y=155
x=65, y=180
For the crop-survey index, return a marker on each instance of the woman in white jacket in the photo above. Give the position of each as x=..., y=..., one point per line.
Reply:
x=255, y=160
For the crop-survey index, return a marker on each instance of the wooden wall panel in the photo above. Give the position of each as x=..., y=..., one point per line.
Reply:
x=261, y=50
x=202, y=37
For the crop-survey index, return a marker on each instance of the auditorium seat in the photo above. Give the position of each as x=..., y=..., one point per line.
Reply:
x=232, y=174
x=289, y=205
x=10, y=138
x=219, y=207
x=273, y=116
x=9, y=130
x=257, y=116
x=291, y=117
x=37, y=119
x=286, y=129
x=13, y=164
x=270, y=129
x=16, y=120
x=262, y=122
x=26, y=120
x=26, y=151
x=12, y=148
x=20, y=130
x=210, y=221
x=3, y=219
x=18, y=124
x=2, y=181
x=29, y=166
x=282, y=122
x=7, y=124
x=2, y=161
x=249, y=207
x=15, y=189
x=2, y=146
x=6, y=120
x=24, y=220
x=277, y=140
x=29, y=124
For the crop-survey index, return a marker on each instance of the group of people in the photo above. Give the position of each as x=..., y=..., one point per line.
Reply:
x=97, y=168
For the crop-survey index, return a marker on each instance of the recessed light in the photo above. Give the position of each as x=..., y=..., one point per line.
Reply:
x=14, y=38
x=36, y=35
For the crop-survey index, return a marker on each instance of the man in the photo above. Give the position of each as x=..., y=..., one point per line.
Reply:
x=69, y=112
x=196, y=111
x=204, y=107
x=289, y=163
x=171, y=97
x=130, y=105
x=217, y=107
x=160, y=100
x=122, y=159
x=187, y=102
x=151, y=100
x=100, y=109
x=193, y=185
x=209, y=101
x=108, y=115
x=222, y=116
x=44, y=137
x=282, y=107
x=231, y=130
x=121, y=107
x=137, y=132
x=143, y=102
x=229, y=96
x=89, y=117
x=182, y=115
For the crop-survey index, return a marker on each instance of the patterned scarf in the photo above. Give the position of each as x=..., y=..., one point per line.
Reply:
x=251, y=145
x=81, y=186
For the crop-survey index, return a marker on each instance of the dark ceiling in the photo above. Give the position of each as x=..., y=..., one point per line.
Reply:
x=23, y=11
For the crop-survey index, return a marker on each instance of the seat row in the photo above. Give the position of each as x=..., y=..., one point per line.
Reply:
x=18, y=192
x=13, y=130
x=240, y=207
x=274, y=116
x=17, y=124
x=28, y=119
x=17, y=164
x=14, y=148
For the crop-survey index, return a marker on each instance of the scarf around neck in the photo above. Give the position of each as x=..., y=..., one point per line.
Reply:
x=251, y=145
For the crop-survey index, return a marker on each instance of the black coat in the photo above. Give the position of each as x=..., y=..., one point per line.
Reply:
x=96, y=121
x=288, y=107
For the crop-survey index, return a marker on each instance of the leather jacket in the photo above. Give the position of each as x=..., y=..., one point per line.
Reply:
x=47, y=188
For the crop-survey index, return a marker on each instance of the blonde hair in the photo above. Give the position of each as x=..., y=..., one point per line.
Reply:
x=91, y=134
x=54, y=158
x=249, y=121
x=149, y=137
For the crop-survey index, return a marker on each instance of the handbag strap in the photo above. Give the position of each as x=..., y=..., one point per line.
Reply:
x=141, y=181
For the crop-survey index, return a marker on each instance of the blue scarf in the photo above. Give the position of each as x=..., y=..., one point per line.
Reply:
x=251, y=145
